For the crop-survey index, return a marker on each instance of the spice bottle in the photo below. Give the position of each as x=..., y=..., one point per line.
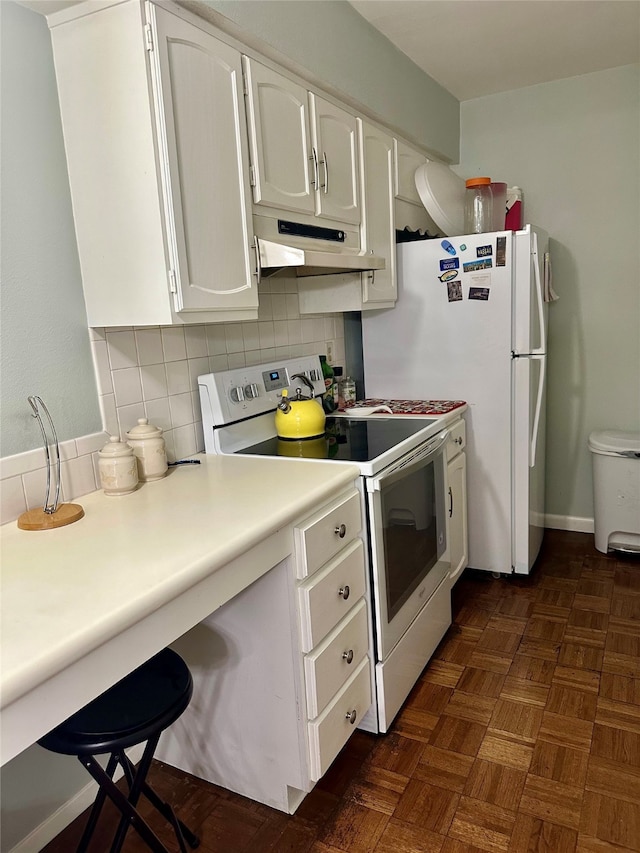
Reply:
x=478, y=206
x=346, y=393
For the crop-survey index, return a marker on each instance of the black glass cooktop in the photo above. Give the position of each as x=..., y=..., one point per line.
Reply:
x=345, y=440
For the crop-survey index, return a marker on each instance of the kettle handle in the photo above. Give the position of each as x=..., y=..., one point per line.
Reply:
x=306, y=380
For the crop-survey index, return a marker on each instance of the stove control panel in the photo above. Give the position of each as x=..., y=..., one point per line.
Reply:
x=234, y=395
x=275, y=379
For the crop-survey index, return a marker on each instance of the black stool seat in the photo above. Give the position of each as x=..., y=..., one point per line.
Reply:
x=147, y=700
x=136, y=709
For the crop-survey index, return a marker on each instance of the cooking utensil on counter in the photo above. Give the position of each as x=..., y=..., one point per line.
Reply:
x=299, y=417
x=53, y=514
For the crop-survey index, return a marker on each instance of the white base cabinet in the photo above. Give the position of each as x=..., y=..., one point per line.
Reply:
x=156, y=143
x=282, y=671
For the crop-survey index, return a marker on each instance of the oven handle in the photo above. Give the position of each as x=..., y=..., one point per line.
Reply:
x=410, y=463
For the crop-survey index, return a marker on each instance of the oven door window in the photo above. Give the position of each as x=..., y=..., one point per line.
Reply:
x=408, y=543
x=412, y=544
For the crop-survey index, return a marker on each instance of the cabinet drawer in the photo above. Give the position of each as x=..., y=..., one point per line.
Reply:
x=327, y=597
x=333, y=728
x=322, y=535
x=328, y=667
x=457, y=439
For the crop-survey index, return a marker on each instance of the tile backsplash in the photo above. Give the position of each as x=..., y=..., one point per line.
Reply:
x=153, y=372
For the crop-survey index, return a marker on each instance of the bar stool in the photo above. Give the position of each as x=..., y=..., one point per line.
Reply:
x=137, y=709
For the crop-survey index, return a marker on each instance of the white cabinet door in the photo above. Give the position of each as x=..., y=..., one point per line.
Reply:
x=304, y=152
x=407, y=161
x=378, y=222
x=281, y=153
x=457, y=515
x=158, y=167
x=200, y=100
x=336, y=141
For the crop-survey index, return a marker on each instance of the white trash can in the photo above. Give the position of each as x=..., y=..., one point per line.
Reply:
x=616, y=490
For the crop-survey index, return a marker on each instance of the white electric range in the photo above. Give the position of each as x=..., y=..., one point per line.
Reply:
x=402, y=462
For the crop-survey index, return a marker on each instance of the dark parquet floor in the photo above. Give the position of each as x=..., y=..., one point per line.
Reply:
x=522, y=735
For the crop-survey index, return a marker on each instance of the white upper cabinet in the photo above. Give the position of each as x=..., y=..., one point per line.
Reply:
x=335, y=134
x=282, y=168
x=157, y=154
x=407, y=161
x=378, y=221
x=304, y=151
x=199, y=81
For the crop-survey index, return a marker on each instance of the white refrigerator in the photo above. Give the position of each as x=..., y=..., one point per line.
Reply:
x=471, y=324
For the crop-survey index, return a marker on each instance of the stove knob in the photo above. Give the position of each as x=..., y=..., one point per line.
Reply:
x=251, y=391
x=237, y=394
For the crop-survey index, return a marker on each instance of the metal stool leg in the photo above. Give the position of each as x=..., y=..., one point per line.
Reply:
x=182, y=831
x=97, y=805
x=135, y=788
x=122, y=803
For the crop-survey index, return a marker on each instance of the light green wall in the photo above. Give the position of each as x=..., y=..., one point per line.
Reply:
x=44, y=342
x=332, y=41
x=574, y=148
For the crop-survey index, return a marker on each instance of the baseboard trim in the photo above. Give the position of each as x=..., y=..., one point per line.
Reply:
x=67, y=812
x=569, y=522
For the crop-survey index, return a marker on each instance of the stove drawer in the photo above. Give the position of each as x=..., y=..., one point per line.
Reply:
x=329, y=595
x=328, y=666
x=322, y=535
x=333, y=728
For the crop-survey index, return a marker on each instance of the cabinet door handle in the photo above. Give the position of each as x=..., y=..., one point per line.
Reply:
x=450, y=503
x=344, y=592
x=325, y=163
x=458, y=440
x=348, y=656
x=340, y=530
x=351, y=716
x=258, y=272
x=314, y=159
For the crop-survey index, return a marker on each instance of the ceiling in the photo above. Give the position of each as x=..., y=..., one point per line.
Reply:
x=479, y=47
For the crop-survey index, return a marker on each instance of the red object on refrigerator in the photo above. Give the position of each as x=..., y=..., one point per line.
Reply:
x=513, y=218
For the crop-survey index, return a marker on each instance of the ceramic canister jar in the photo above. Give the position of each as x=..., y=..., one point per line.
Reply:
x=118, y=467
x=148, y=445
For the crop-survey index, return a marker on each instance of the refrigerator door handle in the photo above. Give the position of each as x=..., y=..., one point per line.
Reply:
x=539, y=296
x=533, y=443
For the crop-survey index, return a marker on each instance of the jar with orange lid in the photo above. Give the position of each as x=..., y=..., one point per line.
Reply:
x=478, y=206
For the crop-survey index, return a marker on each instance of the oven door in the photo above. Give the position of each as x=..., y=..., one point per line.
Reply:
x=409, y=556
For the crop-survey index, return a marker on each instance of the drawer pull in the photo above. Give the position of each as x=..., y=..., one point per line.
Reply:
x=348, y=656
x=458, y=440
x=341, y=530
x=344, y=592
x=351, y=716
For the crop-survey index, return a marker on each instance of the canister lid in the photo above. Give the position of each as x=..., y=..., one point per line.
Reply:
x=477, y=182
x=115, y=447
x=144, y=430
x=614, y=441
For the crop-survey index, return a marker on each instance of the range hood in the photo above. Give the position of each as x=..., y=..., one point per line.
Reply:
x=275, y=256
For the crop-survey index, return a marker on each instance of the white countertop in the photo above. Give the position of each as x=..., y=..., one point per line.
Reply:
x=69, y=591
